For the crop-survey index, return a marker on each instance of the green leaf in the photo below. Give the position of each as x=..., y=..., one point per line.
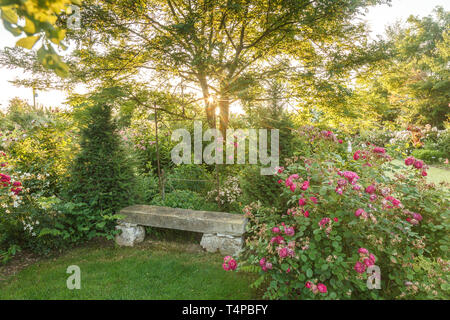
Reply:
x=9, y=15
x=15, y=31
x=100, y=225
x=27, y=42
x=309, y=273
x=41, y=53
x=29, y=26
x=62, y=69
x=58, y=35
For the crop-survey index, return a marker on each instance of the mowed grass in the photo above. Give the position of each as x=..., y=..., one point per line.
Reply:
x=436, y=175
x=148, y=271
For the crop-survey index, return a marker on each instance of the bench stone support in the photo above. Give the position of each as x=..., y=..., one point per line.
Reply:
x=225, y=244
x=130, y=235
x=222, y=231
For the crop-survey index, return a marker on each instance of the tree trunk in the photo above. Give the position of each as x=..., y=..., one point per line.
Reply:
x=210, y=106
x=224, y=106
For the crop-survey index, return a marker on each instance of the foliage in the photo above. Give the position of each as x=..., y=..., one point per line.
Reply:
x=431, y=156
x=40, y=145
x=40, y=19
x=413, y=85
x=348, y=213
x=228, y=194
x=37, y=151
x=184, y=199
x=101, y=176
x=221, y=47
x=74, y=223
x=190, y=177
x=147, y=188
x=257, y=187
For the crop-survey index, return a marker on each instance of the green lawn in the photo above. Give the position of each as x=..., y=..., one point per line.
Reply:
x=435, y=175
x=149, y=271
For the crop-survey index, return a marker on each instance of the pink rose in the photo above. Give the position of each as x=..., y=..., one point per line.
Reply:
x=305, y=185
x=229, y=263
x=409, y=161
x=262, y=262
x=324, y=221
x=363, y=251
x=301, y=202
x=277, y=240
x=289, y=231
x=418, y=164
x=359, y=267
x=293, y=186
x=396, y=202
x=370, y=189
x=283, y=252
x=368, y=262
x=351, y=176
x=379, y=150
x=306, y=214
x=313, y=199
x=358, y=212
x=322, y=288
x=276, y=230
x=308, y=284
x=356, y=155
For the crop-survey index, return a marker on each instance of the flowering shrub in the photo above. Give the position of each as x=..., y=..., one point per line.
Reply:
x=228, y=193
x=425, y=142
x=15, y=223
x=348, y=214
x=43, y=151
x=36, y=211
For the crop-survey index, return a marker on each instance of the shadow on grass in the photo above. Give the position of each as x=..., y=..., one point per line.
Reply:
x=152, y=270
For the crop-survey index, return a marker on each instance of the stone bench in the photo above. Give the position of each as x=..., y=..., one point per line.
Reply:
x=221, y=231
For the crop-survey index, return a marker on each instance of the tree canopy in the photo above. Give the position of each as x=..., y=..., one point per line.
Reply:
x=221, y=48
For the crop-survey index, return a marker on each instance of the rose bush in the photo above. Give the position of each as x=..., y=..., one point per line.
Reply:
x=348, y=214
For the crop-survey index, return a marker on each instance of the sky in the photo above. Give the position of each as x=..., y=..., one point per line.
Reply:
x=378, y=18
